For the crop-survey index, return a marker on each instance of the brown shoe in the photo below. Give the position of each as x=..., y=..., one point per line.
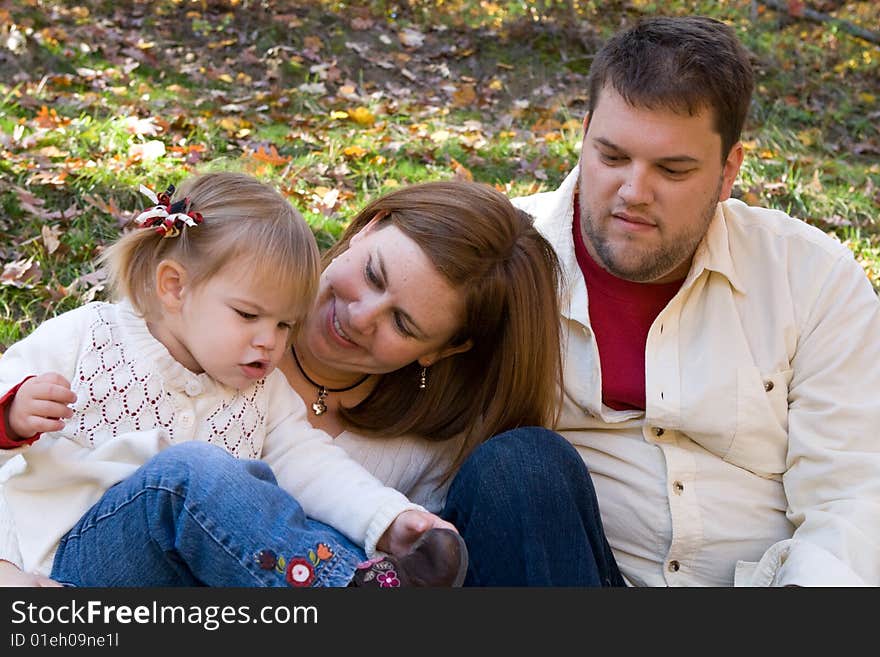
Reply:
x=439, y=559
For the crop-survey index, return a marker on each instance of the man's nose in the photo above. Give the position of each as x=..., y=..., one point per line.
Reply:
x=635, y=188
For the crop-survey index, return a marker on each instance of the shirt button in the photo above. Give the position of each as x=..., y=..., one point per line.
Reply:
x=674, y=566
x=186, y=419
x=768, y=386
x=659, y=431
x=678, y=487
x=192, y=388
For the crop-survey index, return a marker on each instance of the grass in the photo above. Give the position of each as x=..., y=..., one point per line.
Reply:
x=337, y=102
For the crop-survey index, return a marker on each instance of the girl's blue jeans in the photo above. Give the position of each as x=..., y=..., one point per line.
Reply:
x=526, y=507
x=195, y=515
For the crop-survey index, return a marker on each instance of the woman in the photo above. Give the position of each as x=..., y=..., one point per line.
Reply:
x=436, y=328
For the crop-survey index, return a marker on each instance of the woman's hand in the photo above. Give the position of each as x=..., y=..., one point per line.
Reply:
x=12, y=575
x=401, y=534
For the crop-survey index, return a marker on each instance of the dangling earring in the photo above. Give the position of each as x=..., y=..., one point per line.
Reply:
x=423, y=378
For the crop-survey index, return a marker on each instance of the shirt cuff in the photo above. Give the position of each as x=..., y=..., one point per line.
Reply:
x=799, y=563
x=6, y=439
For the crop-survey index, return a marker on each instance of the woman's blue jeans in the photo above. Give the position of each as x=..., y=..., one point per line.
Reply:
x=194, y=515
x=525, y=505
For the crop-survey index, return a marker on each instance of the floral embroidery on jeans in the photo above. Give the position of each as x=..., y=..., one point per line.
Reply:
x=300, y=572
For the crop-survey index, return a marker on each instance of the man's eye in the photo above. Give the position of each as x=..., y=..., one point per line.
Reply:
x=674, y=172
x=611, y=159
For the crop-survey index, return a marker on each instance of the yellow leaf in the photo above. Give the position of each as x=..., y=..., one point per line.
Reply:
x=313, y=43
x=362, y=116
x=496, y=85
x=750, y=145
x=867, y=98
x=225, y=77
x=355, y=152
x=807, y=137
x=337, y=115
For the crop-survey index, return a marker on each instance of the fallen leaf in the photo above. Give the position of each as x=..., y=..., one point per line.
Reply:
x=269, y=155
x=149, y=151
x=461, y=172
x=21, y=273
x=362, y=116
x=355, y=152
x=411, y=38
x=51, y=238
x=464, y=96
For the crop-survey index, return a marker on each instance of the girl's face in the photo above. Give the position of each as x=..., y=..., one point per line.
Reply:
x=231, y=327
x=382, y=305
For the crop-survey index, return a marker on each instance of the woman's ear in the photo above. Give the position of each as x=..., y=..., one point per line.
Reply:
x=171, y=280
x=429, y=359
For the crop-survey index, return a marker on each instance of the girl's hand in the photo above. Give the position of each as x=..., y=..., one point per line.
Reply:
x=398, y=539
x=11, y=575
x=39, y=405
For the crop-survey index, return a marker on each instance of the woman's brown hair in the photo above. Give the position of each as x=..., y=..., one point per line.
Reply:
x=508, y=273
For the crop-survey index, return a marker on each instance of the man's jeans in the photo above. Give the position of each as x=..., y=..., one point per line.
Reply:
x=525, y=505
x=195, y=515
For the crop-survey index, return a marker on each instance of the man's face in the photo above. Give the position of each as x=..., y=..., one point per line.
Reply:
x=650, y=180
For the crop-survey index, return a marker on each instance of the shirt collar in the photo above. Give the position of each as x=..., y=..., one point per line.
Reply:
x=714, y=253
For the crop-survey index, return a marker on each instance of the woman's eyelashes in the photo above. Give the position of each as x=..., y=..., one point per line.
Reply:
x=376, y=281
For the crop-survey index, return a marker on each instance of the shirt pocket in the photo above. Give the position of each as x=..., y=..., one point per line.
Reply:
x=760, y=441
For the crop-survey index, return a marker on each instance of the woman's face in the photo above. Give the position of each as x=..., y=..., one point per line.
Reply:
x=382, y=305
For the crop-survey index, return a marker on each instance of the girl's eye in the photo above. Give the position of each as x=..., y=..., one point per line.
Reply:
x=285, y=325
x=245, y=315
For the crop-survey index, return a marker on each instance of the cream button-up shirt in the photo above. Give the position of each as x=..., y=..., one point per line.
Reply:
x=757, y=458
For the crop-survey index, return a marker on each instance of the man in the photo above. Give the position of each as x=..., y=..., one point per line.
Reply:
x=722, y=367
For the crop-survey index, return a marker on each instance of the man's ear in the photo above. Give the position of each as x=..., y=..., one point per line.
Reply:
x=171, y=281
x=730, y=170
x=586, y=122
x=429, y=359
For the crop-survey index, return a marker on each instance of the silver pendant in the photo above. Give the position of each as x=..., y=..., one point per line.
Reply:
x=319, y=407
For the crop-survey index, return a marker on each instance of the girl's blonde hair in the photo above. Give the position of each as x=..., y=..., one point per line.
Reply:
x=246, y=223
x=508, y=276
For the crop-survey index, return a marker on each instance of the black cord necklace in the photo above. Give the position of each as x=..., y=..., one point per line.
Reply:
x=318, y=406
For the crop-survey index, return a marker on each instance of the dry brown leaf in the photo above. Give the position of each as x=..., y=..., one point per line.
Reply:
x=464, y=96
x=21, y=273
x=51, y=238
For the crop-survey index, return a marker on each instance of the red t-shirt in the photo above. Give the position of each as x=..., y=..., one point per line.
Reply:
x=621, y=313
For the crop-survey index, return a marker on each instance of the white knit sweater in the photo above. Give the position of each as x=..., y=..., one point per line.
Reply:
x=134, y=399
